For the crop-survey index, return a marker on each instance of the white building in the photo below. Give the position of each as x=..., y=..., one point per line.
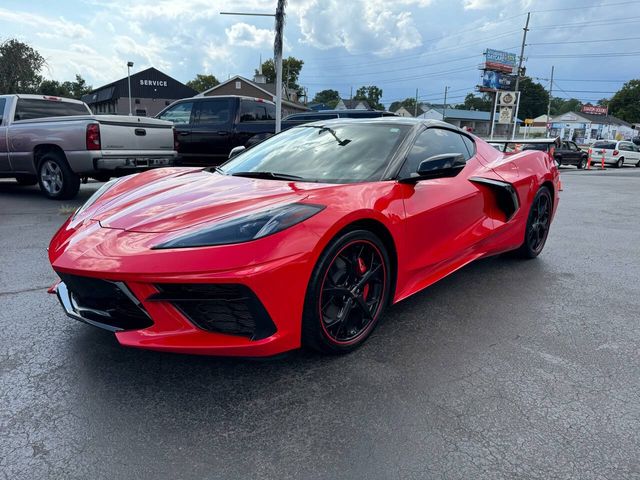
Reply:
x=584, y=128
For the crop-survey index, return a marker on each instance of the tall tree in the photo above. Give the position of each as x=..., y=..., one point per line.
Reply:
x=564, y=105
x=328, y=97
x=20, y=67
x=625, y=104
x=408, y=103
x=471, y=102
x=203, y=82
x=291, y=68
x=65, y=89
x=533, y=99
x=372, y=95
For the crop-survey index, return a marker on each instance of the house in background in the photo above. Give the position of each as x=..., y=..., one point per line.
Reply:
x=477, y=121
x=151, y=91
x=408, y=112
x=353, y=105
x=258, y=88
x=586, y=128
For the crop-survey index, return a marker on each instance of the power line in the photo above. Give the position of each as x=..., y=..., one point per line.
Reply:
x=587, y=55
x=587, y=41
x=586, y=7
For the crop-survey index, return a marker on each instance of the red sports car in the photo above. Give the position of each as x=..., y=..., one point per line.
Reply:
x=302, y=240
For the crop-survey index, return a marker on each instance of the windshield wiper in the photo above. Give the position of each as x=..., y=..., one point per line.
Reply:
x=267, y=175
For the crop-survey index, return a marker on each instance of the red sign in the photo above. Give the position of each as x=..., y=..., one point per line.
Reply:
x=498, y=67
x=594, y=110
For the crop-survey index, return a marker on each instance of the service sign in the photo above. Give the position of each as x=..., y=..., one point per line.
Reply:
x=497, y=81
x=505, y=115
x=594, y=109
x=499, y=60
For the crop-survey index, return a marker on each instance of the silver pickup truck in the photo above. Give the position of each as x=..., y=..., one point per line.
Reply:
x=57, y=142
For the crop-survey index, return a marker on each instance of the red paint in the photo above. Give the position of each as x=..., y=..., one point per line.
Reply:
x=437, y=227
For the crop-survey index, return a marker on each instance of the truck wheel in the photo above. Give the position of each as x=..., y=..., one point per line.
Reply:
x=57, y=180
x=26, y=180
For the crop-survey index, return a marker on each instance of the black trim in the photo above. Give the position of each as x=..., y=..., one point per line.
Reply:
x=506, y=195
x=225, y=308
x=129, y=124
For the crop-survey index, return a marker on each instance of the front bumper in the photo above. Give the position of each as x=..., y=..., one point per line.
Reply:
x=268, y=268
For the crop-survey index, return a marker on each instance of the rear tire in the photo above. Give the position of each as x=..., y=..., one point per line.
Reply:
x=538, y=223
x=57, y=180
x=26, y=180
x=347, y=294
x=620, y=163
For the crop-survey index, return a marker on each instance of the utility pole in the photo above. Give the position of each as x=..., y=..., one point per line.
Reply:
x=444, y=107
x=415, y=108
x=524, y=40
x=277, y=52
x=129, y=65
x=549, y=104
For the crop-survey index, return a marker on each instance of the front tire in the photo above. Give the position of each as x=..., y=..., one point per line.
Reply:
x=57, y=180
x=538, y=224
x=582, y=163
x=347, y=294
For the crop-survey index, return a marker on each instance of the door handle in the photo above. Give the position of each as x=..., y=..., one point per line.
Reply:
x=141, y=132
x=222, y=132
x=184, y=134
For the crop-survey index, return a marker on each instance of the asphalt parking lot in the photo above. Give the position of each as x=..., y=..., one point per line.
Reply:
x=506, y=369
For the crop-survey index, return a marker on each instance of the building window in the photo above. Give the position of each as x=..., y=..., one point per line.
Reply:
x=238, y=85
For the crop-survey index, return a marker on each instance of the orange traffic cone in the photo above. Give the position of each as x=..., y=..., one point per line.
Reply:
x=589, y=160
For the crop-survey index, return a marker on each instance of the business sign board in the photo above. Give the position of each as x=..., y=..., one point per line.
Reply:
x=499, y=60
x=594, y=109
x=506, y=115
x=497, y=81
x=507, y=99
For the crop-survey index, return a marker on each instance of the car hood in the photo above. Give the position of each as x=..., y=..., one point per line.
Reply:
x=183, y=200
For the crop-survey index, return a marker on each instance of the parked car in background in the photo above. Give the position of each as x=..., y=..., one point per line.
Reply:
x=57, y=141
x=568, y=153
x=616, y=153
x=208, y=128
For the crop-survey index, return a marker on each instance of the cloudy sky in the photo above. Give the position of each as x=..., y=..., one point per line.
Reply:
x=398, y=45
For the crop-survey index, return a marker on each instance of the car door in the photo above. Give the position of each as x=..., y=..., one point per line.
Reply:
x=5, y=166
x=212, y=131
x=446, y=218
x=181, y=114
x=575, y=154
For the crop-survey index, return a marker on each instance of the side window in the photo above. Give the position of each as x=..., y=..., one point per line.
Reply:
x=214, y=112
x=251, y=111
x=179, y=114
x=471, y=146
x=433, y=141
x=3, y=101
x=566, y=146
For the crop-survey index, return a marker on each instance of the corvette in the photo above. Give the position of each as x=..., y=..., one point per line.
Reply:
x=301, y=240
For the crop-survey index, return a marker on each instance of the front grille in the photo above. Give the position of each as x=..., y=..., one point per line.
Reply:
x=108, y=304
x=225, y=308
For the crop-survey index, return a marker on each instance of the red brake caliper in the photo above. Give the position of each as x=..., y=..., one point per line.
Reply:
x=363, y=268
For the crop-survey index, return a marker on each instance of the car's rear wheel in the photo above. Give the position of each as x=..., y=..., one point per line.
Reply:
x=582, y=163
x=56, y=178
x=620, y=163
x=538, y=224
x=26, y=180
x=349, y=289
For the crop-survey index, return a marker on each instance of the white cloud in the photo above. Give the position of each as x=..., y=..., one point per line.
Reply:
x=46, y=25
x=245, y=35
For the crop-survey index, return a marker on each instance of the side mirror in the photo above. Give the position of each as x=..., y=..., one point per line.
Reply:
x=444, y=165
x=236, y=150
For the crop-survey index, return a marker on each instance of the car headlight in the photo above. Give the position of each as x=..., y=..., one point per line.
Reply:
x=247, y=228
x=98, y=193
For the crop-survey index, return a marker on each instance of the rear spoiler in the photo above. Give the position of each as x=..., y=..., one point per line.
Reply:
x=516, y=144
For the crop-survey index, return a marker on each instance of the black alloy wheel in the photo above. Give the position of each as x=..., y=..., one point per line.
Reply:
x=538, y=224
x=347, y=294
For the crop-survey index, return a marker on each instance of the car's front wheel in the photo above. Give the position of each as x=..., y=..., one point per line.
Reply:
x=348, y=291
x=538, y=224
x=56, y=178
x=582, y=163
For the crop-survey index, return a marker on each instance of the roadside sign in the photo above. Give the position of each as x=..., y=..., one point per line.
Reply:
x=499, y=60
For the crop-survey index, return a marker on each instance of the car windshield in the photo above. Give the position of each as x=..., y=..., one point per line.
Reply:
x=340, y=153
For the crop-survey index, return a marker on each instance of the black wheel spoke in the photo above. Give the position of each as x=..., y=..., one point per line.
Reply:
x=366, y=311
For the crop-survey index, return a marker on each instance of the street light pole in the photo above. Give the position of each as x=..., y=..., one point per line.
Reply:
x=277, y=51
x=549, y=104
x=519, y=72
x=129, y=65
